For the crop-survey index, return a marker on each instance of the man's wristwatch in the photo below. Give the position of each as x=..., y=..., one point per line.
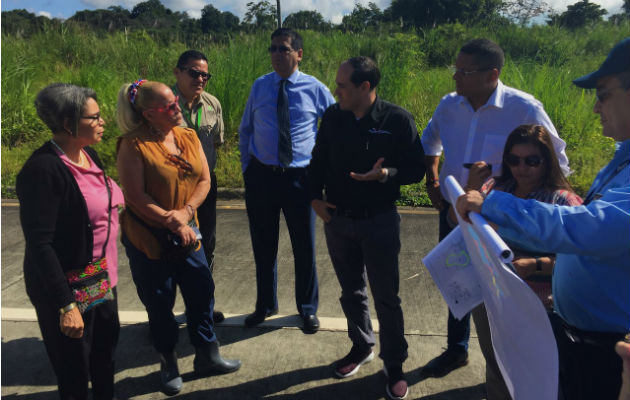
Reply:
x=432, y=181
x=538, y=264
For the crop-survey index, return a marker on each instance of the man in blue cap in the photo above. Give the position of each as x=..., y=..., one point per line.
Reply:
x=591, y=279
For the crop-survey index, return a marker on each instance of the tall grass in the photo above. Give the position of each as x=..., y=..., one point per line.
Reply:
x=540, y=60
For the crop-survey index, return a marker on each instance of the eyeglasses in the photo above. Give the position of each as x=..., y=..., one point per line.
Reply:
x=96, y=118
x=196, y=74
x=170, y=107
x=531, y=161
x=603, y=95
x=454, y=70
x=282, y=49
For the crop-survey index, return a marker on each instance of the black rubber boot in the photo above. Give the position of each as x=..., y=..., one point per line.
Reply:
x=208, y=361
x=169, y=374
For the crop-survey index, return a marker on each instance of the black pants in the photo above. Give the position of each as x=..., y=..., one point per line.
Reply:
x=589, y=366
x=366, y=251
x=267, y=192
x=458, y=329
x=91, y=357
x=207, y=216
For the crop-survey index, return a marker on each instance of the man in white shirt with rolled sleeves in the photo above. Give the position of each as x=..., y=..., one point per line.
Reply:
x=469, y=125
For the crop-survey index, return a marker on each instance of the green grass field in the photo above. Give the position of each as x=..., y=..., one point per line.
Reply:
x=541, y=60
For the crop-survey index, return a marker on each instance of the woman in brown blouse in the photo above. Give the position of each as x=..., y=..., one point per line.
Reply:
x=165, y=177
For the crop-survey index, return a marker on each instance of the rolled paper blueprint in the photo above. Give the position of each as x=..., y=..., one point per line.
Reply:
x=480, y=225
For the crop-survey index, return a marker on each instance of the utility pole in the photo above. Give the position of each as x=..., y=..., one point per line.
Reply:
x=279, y=14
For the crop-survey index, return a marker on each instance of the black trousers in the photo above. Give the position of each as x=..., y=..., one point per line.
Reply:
x=458, y=330
x=89, y=358
x=366, y=251
x=589, y=366
x=207, y=216
x=267, y=192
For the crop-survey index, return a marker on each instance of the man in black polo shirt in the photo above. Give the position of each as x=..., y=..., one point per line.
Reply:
x=365, y=149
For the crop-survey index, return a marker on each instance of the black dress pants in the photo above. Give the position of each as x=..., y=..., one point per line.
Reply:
x=207, y=216
x=91, y=357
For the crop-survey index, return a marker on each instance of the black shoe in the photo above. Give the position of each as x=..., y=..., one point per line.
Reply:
x=169, y=374
x=258, y=317
x=445, y=363
x=217, y=316
x=208, y=361
x=310, y=323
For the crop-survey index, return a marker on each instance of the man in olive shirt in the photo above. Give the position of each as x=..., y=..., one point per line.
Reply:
x=202, y=112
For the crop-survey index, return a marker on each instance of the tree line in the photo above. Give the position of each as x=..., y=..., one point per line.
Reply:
x=164, y=24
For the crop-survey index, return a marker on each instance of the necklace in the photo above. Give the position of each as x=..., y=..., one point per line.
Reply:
x=82, y=159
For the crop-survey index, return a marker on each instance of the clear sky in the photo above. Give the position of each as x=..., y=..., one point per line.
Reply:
x=332, y=10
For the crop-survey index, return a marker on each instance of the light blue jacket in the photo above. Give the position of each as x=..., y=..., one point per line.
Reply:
x=591, y=279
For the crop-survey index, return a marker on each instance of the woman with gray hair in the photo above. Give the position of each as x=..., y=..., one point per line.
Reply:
x=69, y=215
x=165, y=177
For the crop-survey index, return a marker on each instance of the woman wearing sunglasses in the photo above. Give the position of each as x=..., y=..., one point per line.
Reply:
x=165, y=177
x=530, y=170
x=69, y=215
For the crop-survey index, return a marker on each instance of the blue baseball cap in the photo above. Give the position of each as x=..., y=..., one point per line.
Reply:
x=618, y=60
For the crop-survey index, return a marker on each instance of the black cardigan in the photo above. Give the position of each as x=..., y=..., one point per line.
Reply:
x=56, y=225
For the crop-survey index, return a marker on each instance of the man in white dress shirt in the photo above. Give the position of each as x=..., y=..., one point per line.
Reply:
x=469, y=125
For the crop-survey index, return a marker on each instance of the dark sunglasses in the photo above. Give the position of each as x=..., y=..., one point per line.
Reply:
x=170, y=107
x=282, y=49
x=196, y=74
x=515, y=161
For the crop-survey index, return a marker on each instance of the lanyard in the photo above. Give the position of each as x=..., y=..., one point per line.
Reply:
x=591, y=195
x=187, y=116
x=186, y=113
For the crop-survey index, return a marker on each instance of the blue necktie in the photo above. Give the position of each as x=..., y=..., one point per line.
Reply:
x=285, y=150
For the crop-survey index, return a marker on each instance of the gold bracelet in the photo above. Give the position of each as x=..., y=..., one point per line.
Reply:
x=67, y=308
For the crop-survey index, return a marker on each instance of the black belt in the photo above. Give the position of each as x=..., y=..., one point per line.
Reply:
x=274, y=168
x=361, y=212
x=604, y=339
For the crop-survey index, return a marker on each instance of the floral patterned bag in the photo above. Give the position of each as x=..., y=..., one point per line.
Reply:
x=91, y=285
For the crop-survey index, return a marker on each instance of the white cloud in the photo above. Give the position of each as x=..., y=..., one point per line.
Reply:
x=44, y=14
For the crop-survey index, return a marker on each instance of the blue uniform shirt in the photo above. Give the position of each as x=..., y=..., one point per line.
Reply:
x=591, y=279
x=258, y=133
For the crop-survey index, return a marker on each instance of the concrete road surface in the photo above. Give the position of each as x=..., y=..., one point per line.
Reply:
x=279, y=361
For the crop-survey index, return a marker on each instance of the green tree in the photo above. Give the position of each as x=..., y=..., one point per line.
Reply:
x=522, y=11
x=578, y=15
x=306, y=20
x=624, y=15
x=22, y=23
x=362, y=17
x=114, y=18
x=430, y=13
x=260, y=16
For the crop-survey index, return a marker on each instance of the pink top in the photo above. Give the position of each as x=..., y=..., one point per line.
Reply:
x=92, y=186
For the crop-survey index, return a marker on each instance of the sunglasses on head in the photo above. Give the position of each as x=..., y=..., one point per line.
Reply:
x=196, y=74
x=170, y=107
x=530, y=161
x=282, y=49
